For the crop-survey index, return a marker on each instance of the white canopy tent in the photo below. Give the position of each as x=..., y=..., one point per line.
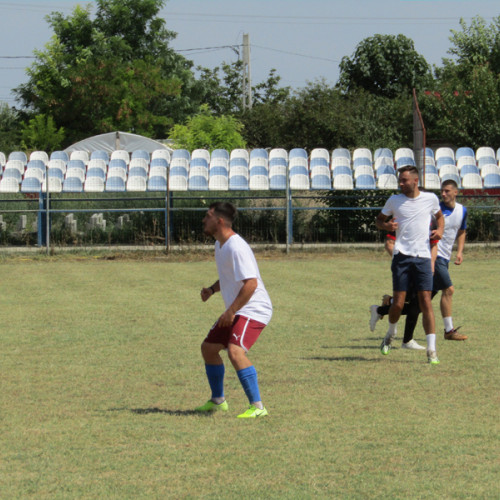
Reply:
x=113, y=141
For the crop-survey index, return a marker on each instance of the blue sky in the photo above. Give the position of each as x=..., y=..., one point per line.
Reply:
x=304, y=40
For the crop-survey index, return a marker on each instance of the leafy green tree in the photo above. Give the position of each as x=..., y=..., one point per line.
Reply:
x=111, y=71
x=205, y=130
x=384, y=65
x=41, y=134
x=10, y=129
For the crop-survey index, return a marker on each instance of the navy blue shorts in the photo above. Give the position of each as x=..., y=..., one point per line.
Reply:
x=410, y=271
x=442, y=279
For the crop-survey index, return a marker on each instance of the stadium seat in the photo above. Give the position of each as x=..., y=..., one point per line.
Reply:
x=136, y=183
x=453, y=177
x=365, y=181
x=34, y=173
x=444, y=161
x=239, y=154
x=361, y=162
x=402, y=161
x=486, y=160
x=387, y=181
x=431, y=169
x=277, y=181
x=404, y=153
x=468, y=169
x=138, y=162
x=178, y=182
x=9, y=185
x=363, y=170
x=432, y=181
x=197, y=182
x=448, y=169
x=97, y=163
x=76, y=164
x=120, y=154
x=39, y=156
x=489, y=169
x=385, y=169
x=256, y=170
x=137, y=172
x=364, y=153
x=100, y=155
x=276, y=153
x=321, y=179
x=157, y=183
x=12, y=173
x=140, y=154
x=484, y=152
x=55, y=173
x=94, y=185
x=319, y=162
x=259, y=153
x=492, y=180
x=258, y=182
x=117, y=172
x=383, y=161
x=383, y=153
x=96, y=172
x=117, y=163
x=219, y=154
x=341, y=153
x=238, y=183
x=159, y=162
x=18, y=155
x=218, y=170
x=115, y=184
x=472, y=181
x=444, y=152
x=55, y=185
x=218, y=181
x=464, y=151
x=343, y=181
x=3, y=159
x=59, y=155
x=76, y=172
x=161, y=153
x=299, y=181
x=82, y=156
x=297, y=153
x=320, y=154
x=72, y=185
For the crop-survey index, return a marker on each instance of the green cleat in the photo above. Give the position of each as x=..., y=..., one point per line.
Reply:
x=253, y=412
x=432, y=358
x=211, y=406
x=385, y=348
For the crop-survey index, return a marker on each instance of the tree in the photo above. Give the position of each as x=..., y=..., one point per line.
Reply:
x=41, y=134
x=115, y=71
x=384, y=65
x=10, y=128
x=208, y=131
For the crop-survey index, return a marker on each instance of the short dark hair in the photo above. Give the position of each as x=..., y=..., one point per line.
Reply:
x=225, y=210
x=408, y=168
x=449, y=182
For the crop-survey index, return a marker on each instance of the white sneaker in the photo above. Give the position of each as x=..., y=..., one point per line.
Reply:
x=374, y=317
x=432, y=358
x=412, y=345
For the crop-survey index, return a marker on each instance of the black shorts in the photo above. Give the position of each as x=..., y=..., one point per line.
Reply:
x=411, y=272
x=442, y=279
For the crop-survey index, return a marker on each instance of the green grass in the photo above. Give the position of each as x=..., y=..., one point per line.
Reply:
x=101, y=369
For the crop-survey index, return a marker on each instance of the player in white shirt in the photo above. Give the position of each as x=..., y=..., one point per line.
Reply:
x=411, y=213
x=248, y=311
x=455, y=225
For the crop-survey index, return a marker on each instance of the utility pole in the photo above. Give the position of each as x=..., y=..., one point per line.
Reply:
x=247, y=80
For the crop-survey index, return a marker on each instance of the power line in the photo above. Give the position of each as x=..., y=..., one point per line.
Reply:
x=296, y=54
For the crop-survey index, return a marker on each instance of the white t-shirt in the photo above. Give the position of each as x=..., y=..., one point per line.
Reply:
x=455, y=219
x=413, y=216
x=235, y=263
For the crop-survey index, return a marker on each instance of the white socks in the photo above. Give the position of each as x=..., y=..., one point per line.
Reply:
x=431, y=341
x=448, y=323
x=392, y=330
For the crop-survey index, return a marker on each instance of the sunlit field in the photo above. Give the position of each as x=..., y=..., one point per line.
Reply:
x=101, y=370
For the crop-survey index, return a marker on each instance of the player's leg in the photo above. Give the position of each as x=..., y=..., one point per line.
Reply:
x=442, y=281
x=423, y=277
x=412, y=312
x=214, y=368
x=245, y=332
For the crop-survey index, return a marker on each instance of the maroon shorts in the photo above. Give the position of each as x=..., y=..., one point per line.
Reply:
x=243, y=332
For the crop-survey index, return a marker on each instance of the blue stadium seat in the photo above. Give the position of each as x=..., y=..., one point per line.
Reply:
x=492, y=181
x=238, y=183
x=277, y=181
x=115, y=184
x=100, y=155
x=157, y=183
x=365, y=181
x=31, y=185
x=72, y=185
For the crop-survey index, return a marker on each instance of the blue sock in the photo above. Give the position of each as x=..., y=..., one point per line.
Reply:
x=215, y=375
x=248, y=379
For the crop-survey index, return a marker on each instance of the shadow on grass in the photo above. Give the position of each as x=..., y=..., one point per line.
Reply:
x=354, y=358
x=163, y=411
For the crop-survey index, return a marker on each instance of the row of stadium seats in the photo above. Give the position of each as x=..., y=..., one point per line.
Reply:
x=240, y=170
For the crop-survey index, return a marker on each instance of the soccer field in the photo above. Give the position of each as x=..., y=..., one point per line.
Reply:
x=101, y=368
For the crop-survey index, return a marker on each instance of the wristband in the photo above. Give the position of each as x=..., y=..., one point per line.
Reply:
x=212, y=288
